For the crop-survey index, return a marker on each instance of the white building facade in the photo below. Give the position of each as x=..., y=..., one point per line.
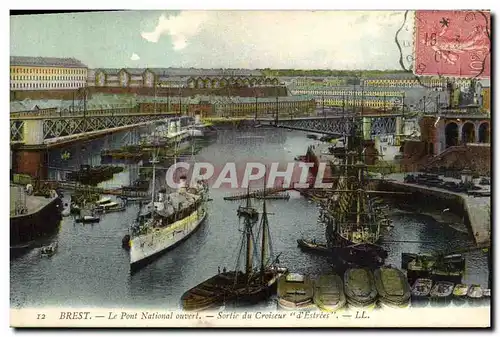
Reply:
x=46, y=73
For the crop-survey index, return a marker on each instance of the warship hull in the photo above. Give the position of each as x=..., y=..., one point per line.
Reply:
x=146, y=248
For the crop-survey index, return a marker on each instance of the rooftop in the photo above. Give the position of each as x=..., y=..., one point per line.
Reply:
x=484, y=83
x=46, y=62
x=98, y=101
x=185, y=72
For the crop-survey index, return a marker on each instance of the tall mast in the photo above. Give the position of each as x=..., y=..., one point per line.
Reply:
x=248, y=229
x=358, y=199
x=265, y=225
x=153, y=161
x=249, y=261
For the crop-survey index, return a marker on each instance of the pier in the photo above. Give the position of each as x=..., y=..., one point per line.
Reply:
x=32, y=216
x=66, y=185
x=258, y=193
x=476, y=209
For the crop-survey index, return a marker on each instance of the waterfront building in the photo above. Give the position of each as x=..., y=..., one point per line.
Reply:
x=379, y=98
x=316, y=81
x=483, y=95
x=95, y=102
x=46, y=73
x=226, y=106
x=406, y=81
x=263, y=107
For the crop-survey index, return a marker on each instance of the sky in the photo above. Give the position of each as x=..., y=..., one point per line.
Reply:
x=213, y=39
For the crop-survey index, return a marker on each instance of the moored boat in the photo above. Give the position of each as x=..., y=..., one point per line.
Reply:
x=460, y=294
x=277, y=196
x=441, y=293
x=110, y=207
x=438, y=268
x=88, y=219
x=209, y=294
x=420, y=292
x=314, y=247
x=103, y=201
x=170, y=218
x=392, y=287
x=248, y=287
x=66, y=211
x=173, y=219
x=74, y=209
x=49, y=250
x=329, y=293
x=295, y=292
x=486, y=300
x=475, y=295
x=360, y=289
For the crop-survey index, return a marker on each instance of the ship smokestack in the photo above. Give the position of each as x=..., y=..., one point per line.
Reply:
x=182, y=182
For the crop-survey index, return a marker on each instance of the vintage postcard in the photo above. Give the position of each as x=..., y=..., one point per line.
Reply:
x=188, y=168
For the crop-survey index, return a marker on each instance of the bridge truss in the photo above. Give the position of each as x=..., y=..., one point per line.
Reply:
x=338, y=126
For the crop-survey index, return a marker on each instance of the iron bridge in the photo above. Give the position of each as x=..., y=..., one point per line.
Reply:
x=57, y=124
x=379, y=125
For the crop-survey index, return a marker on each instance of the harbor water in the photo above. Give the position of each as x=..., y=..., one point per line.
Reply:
x=91, y=269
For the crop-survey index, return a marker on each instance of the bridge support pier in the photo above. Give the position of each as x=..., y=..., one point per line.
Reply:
x=31, y=162
x=399, y=130
x=33, y=132
x=367, y=127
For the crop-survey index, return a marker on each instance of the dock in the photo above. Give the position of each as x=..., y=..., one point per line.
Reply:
x=32, y=217
x=476, y=208
x=258, y=193
x=66, y=185
x=22, y=204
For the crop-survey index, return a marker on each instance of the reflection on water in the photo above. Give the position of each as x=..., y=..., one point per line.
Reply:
x=91, y=268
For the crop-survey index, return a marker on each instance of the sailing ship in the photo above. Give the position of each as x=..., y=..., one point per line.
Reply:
x=355, y=221
x=242, y=287
x=168, y=220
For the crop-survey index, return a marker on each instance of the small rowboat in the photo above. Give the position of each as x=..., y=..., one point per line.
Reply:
x=49, y=250
x=475, y=295
x=392, y=287
x=441, y=293
x=460, y=294
x=329, y=293
x=88, y=219
x=420, y=292
x=360, y=289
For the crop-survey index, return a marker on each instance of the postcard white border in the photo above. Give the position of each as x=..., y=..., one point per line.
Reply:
x=465, y=317
x=190, y=4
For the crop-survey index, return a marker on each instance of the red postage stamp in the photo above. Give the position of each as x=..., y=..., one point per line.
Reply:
x=452, y=43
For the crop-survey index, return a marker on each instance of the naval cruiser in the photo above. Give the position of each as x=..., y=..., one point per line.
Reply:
x=167, y=220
